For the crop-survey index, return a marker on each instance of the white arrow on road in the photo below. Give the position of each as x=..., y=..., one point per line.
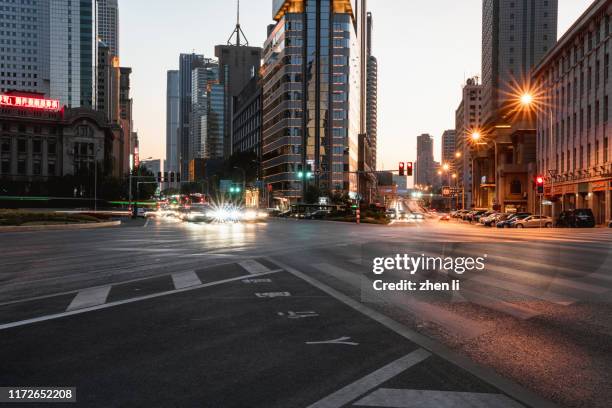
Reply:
x=340, y=340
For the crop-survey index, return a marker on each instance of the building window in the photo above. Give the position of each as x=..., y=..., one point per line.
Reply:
x=5, y=145
x=21, y=166
x=516, y=187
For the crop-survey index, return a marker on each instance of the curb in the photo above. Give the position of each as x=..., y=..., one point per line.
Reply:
x=59, y=227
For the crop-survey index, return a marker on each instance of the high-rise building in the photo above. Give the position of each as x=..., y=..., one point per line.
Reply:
x=372, y=95
x=574, y=153
x=108, y=24
x=108, y=79
x=207, y=110
x=449, y=147
x=72, y=52
x=24, y=66
x=467, y=121
x=172, y=123
x=186, y=64
x=312, y=99
x=425, y=166
x=53, y=60
x=515, y=37
x=238, y=64
x=247, y=121
x=125, y=115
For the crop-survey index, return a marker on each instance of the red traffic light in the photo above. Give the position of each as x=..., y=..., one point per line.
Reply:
x=401, y=168
x=540, y=180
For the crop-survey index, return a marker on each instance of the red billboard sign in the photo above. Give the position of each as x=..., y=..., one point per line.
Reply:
x=29, y=102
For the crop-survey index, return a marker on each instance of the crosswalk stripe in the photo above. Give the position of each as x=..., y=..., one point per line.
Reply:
x=252, y=266
x=553, y=280
x=396, y=398
x=518, y=311
x=451, y=321
x=538, y=293
x=89, y=297
x=185, y=279
x=371, y=381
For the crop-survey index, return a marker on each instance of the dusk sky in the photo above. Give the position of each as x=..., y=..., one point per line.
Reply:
x=425, y=50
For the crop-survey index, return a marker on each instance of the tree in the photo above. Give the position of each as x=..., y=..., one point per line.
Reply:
x=312, y=194
x=148, y=185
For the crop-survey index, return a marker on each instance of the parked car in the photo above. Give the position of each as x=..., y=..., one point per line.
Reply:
x=317, y=215
x=479, y=218
x=499, y=217
x=475, y=215
x=488, y=220
x=534, y=221
x=512, y=222
x=445, y=217
x=579, y=218
x=511, y=219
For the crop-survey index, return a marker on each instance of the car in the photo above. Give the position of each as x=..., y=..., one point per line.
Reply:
x=391, y=214
x=578, y=218
x=475, y=215
x=317, y=215
x=510, y=220
x=480, y=218
x=486, y=220
x=499, y=217
x=445, y=217
x=534, y=221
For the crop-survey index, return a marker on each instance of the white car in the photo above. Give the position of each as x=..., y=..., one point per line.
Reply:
x=534, y=221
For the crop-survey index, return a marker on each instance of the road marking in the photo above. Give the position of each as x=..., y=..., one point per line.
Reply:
x=146, y=223
x=126, y=301
x=340, y=340
x=393, y=398
x=518, y=311
x=253, y=266
x=371, y=381
x=486, y=375
x=185, y=279
x=299, y=315
x=89, y=297
x=451, y=321
x=272, y=294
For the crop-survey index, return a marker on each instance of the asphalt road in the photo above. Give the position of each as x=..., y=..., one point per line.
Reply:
x=281, y=314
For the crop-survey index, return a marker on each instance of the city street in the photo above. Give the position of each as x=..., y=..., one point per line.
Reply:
x=280, y=314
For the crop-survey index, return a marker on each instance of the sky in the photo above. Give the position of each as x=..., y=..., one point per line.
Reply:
x=425, y=51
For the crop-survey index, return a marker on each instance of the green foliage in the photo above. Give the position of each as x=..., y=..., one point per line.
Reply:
x=16, y=218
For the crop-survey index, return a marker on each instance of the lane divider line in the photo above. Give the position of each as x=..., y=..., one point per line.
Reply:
x=89, y=297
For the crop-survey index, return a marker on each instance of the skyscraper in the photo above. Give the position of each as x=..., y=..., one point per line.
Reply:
x=172, y=122
x=448, y=146
x=372, y=94
x=207, y=112
x=186, y=64
x=312, y=98
x=425, y=165
x=467, y=121
x=58, y=57
x=108, y=24
x=515, y=37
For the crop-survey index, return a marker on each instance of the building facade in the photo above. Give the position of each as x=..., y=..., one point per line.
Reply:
x=449, y=147
x=41, y=143
x=238, y=64
x=573, y=130
x=186, y=64
x=312, y=104
x=172, y=123
x=247, y=120
x=425, y=172
x=372, y=95
x=207, y=111
x=51, y=51
x=515, y=36
x=108, y=24
x=467, y=121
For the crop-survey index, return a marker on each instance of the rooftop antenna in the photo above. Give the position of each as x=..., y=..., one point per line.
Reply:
x=237, y=31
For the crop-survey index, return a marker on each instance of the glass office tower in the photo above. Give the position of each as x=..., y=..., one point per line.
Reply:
x=311, y=98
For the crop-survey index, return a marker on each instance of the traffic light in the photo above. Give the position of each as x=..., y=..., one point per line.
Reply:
x=409, y=168
x=178, y=177
x=172, y=177
x=308, y=172
x=166, y=176
x=540, y=184
x=159, y=177
x=401, y=168
x=234, y=190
